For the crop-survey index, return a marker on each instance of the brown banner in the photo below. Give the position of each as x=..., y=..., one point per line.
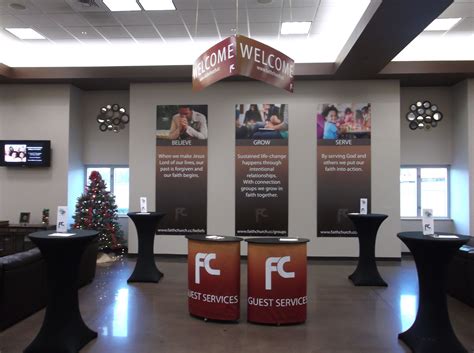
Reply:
x=181, y=169
x=343, y=166
x=277, y=283
x=261, y=164
x=239, y=55
x=215, y=64
x=214, y=279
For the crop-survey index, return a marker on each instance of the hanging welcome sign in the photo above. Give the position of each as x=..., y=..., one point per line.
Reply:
x=241, y=56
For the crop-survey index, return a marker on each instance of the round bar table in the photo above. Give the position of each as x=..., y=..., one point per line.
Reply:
x=277, y=280
x=214, y=277
x=145, y=268
x=63, y=330
x=367, y=225
x=432, y=331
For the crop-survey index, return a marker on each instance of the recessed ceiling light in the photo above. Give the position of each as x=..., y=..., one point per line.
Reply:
x=16, y=6
x=122, y=5
x=442, y=24
x=25, y=33
x=295, y=27
x=157, y=5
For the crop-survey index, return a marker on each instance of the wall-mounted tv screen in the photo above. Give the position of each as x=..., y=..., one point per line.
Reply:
x=25, y=153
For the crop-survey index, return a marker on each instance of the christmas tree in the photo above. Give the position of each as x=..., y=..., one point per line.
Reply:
x=96, y=210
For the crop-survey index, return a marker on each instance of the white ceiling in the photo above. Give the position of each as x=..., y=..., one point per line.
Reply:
x=78, y=35
x=455, y=44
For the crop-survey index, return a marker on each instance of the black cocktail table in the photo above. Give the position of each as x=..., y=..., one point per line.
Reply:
x=63, y=329
x=432, y=331
x=146, y=224
x=367, y=225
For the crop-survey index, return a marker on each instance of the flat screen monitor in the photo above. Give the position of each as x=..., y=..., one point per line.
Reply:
x=25, y=153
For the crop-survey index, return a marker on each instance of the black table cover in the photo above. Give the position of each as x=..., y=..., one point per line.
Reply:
x=271, y=240
x=367, y=225
x=213, y=238
x=432, y=331
x=63, y=330
x=146, y=224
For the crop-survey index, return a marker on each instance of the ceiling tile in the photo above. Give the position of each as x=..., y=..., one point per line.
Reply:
x=298, y=14
x=466, y=25
x=189, y=5
x=143, y=32
x=224, y=4
x=165, y=17
x=69, y=20
x=127, y=41
x=264, y=15
x=205, y=16
x=305, y=3
x=100, y=19
x=205, y=31
x=264, y=29
x=30, y=8
x=113, y=32
x=53, y=6
x=10, y=21
x=228, y=15
x=132, y=18
x=228, y=29
x=459, y=9
x=173, y=31
x=254, y=4
x=79, y=7
x=84, y=33
x=37, y=20
x=54, y=33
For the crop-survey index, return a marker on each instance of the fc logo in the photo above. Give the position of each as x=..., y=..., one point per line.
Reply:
x=204, y=260
x=275, y=264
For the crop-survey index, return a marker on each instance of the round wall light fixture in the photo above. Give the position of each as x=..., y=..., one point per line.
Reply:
x=112, y=117
x=423, y=115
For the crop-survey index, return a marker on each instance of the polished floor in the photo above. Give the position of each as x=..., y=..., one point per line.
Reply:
x=147, y=318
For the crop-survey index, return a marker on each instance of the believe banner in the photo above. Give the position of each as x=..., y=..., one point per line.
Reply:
x=181, y=168
x=240, y=55
x=261, y=164
x=343, y=166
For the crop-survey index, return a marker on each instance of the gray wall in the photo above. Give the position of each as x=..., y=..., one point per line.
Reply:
x=427, y=147
x=461, y=166
x=38, y=112
x=221, y=98
x=103, y=147
x=75, y=165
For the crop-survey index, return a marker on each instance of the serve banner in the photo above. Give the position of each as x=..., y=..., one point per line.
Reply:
x=238, y=55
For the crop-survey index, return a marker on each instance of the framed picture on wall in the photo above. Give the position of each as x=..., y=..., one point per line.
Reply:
x=25, y=217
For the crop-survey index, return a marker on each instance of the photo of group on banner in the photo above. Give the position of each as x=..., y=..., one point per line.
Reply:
x=261, y=121
x=343, y=121
x=181, y=122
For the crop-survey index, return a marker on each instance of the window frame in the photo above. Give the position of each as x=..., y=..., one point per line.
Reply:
x=418, y=168
x=111, y=186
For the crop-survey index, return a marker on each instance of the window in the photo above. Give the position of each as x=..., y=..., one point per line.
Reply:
x=117, y=181
x=424, y=187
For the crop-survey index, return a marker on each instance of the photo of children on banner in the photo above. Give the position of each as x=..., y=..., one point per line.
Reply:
x=181, y=122
x=261, y=121
x=15, y=153
x=343, y=121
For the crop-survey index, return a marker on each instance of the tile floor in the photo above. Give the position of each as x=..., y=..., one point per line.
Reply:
x=148, y=318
